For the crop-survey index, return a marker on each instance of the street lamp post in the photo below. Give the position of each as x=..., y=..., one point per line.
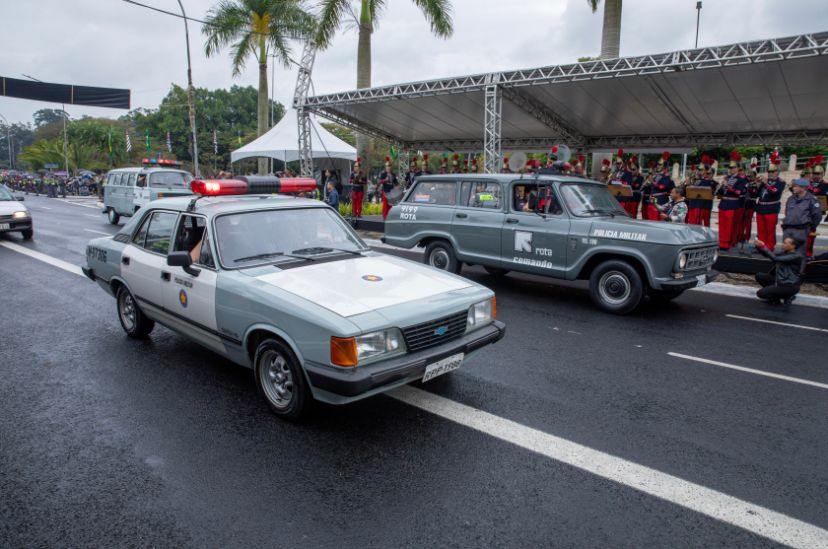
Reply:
x=190, y=93
x=698, y=19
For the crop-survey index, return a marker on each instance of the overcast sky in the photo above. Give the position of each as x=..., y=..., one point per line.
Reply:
x=112, y=43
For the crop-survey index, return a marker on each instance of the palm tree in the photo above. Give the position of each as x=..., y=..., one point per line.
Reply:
x=611, y=33
x=332, y=13
x=257, y=28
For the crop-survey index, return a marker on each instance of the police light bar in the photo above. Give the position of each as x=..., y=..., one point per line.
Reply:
x=160, y=162
x=252, y=185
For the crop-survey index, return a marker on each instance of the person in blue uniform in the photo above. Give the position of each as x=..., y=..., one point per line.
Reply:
x=699, y=210
x=731, y=204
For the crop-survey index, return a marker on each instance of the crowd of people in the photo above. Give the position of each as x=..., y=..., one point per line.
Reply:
x=52, y=185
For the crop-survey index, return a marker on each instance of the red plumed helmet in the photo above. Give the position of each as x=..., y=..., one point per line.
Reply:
x=605, y=162
x=651, y=164
x=359, y=160
x=456, y=156
x=735, y=156
x=387, y=159
x=665, y=155
x=692, y=167
x=620, y=152
x=818, y=159
x=706, y=160
x=555, y=149
x=425, y=158
x=581, y=158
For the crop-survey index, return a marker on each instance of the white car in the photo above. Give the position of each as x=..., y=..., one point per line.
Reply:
x=14, y=216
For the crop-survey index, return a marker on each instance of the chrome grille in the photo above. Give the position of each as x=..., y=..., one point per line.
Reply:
x=428, y=334
x=5, y=218
x=700, y=258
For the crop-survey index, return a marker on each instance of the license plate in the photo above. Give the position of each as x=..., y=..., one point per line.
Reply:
x=4, y=226
x=443, y=366
x=701, y=280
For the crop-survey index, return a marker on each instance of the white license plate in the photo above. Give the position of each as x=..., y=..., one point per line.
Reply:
x=701, y=280
x=4, y=226
x=443, y=366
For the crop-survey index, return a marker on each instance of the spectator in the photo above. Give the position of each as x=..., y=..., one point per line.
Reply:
x=674, y=211
x=785, y=277
x=333, y=196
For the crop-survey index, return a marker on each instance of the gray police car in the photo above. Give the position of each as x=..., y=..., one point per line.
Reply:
x=283, y=285
x=557, y=226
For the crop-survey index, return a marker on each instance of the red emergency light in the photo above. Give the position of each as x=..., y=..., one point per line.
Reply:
x=160, y=162
x=252, y=185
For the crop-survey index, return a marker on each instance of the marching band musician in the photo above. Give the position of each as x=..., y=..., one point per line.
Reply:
x=455, y=163
x=660, y=189
x=605, y=171
x=358, y=182
x=751, y=196
x=619, y=165
x=444, y=164
x=730, y=206
x=699, y=209
x=769, y=204
x=633, y=179
x=506, y=168
x=818, y=188
x=578, y=168
x=387, y=181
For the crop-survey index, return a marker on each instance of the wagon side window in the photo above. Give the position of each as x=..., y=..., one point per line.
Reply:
x=438, y=193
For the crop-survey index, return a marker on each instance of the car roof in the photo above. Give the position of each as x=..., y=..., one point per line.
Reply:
x=507, y=177
x=215, y=205
x=147, y=170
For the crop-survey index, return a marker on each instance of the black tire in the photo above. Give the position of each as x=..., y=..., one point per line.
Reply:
x=280, y=380
x=440, y=255
x=663, y=296
x=27, y=234
x=113, y=216
x=496, y=271
x=616, y=287
x=133, y=320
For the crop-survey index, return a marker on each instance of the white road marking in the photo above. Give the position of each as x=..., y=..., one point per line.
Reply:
x=97, y=232
x=722, y=507
x=774, y=322
x=93, y=216
x=751, y=370
x=59, y=263
x=88, y=204
x=749, y=292
x=742, y=514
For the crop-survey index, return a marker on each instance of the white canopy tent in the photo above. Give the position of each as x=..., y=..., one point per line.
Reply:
x=281, y=142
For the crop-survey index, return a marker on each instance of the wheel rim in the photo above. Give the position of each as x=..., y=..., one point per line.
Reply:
x=127, y=311
x=276, y=378
x=112, y=215
x=614, y=287
x=439, y=258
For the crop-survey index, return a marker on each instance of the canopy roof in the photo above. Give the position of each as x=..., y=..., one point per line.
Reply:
x=770, y=92
x=282, y=140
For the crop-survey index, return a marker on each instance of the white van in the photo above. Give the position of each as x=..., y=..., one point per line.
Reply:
x=128, y=189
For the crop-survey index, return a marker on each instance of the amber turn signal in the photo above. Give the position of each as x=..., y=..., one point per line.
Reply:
x=494, y=307
x=344, y=351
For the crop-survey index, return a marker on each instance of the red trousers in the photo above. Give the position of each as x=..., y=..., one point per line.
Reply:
x=649, y=212
x=730, y=223
x=746, y=225
x=386, y=207
x=766, y=229
x=631, y=208
x=698, y=216
x=809, y=246
x=356, y=203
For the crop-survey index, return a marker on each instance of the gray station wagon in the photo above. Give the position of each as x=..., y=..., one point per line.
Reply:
x=557, y=226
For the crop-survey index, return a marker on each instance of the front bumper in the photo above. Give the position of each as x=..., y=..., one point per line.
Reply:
x=689, y=281
x=340, y=386
x=16, y=224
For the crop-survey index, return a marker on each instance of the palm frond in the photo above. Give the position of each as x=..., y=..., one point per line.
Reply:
x=240, y=50
x=593, y=4
x=438, y=15
x=226, y=22
x=329, y=19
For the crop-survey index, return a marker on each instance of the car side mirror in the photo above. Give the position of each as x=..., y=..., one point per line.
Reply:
x=182, y=259
x=19, y=198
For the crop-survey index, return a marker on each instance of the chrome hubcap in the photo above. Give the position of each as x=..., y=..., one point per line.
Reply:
x=439, y=258
x=127, y=311
x=276, y=379
x=614, y=287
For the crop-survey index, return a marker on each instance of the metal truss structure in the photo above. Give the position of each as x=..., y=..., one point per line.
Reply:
x=351, y=108
x=300, y=97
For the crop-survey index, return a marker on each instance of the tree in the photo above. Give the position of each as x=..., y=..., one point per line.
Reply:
x=611, y=32
x=49, y=116
x=18, y=136
x=257, y=28
x=436, y=12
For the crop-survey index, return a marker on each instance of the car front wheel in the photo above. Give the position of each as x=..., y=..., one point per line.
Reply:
x=134, y=322
x=27, y=234
x=280, y=380
x=440, y=254
x=616, y=287
x=113, y=216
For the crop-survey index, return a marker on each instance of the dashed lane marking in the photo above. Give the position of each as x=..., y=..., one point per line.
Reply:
x=742, y=514
x=97, y=232
x=751, y=371
x=88, y=204
x=722, y=507
x=776, y=323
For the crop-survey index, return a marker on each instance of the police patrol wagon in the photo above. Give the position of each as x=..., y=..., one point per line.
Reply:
x=128, y=189
x=557, y=226
x=283, y=285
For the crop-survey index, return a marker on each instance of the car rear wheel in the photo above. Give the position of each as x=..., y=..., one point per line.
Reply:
x=113, y=216
x=27, y=234
x=616, y=287
x=280, y=380
x=440, y=254
x=134, y=322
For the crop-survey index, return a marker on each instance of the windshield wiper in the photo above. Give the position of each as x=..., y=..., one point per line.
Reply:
x=601, y=211
x=272, y=254
x=324, y=250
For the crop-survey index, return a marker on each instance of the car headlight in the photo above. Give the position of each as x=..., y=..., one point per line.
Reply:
x=480, y=314
x=20, y=215
x=682, y=260
x=351, y=351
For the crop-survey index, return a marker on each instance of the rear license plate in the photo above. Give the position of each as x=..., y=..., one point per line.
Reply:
x=443, y=366
x=701, y=280
x=4, y=226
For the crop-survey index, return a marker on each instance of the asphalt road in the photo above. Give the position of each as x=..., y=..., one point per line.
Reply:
x=108, y=441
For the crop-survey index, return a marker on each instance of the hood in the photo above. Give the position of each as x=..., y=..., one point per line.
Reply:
x=8, y=207
x=658, y=232
x=355, y=286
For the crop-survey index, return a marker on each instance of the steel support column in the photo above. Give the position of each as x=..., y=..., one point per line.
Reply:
x=403, y=155
x=491, y=129
x=300, y=97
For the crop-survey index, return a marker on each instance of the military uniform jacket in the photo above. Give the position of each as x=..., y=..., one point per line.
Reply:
x=661, y=189
x=751, y=195
x=388, y=181
x=358, y=183
x=636, y=182
x=802, y=213
x=699, y=204
x=770, y=197
x=733, y=192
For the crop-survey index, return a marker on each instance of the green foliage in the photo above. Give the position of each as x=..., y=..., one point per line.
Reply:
x=48, y=116
x=341, y=132
x=368, y=208
x=19, y=136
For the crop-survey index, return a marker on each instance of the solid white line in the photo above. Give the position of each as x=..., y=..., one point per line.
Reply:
x=97, y=232
x=751, y=370
x=86, y=205
x=722, y=507
x=95, y=216
x=59, y=263
x=800, y=326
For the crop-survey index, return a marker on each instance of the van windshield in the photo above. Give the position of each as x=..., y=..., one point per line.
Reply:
x=170, y=180
x=590, y=200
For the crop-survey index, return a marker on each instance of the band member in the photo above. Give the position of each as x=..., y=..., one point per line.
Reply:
x=474, y=165
x=730, y=206
x=605, y=171
x=749, y=208
x=444, y=164
x=455, y=163
x=818, y=188
x=618, y=168
x=769, y=204
x=633, y=179
x=578, y=168
x=506, y=168
x=699, y=209
x=358, y=182
x=660, y=189
x=387, y=181
x=424, y=165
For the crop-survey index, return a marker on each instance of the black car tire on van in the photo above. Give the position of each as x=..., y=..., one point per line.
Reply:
x=616, y=287
x=440, y=254
x=27, y=234
x=114, y=217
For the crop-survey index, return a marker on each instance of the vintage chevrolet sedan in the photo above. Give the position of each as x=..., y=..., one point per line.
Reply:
x=284, y=286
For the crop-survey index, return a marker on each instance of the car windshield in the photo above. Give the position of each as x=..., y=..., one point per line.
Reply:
x=171, y=180
x=590, y=200
x=5, y=194
x=253, y=238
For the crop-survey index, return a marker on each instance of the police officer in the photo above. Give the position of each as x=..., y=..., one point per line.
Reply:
x=802, y=214
x=818, y=188
x=358, y=182
x=769, y=204
x=731, y=203
x=699, y=209
x=661, y=187
x=387, y=181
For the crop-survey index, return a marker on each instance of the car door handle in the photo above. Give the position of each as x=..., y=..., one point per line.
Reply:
x=165, y=276
x=512, y=220
x=462, y=215
x=125, y=260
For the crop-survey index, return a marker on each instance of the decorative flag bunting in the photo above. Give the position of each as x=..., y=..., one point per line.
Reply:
x=169, y=142
x=215, y=142
x=109, y=140
x=146, y=137
x=128, y=143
